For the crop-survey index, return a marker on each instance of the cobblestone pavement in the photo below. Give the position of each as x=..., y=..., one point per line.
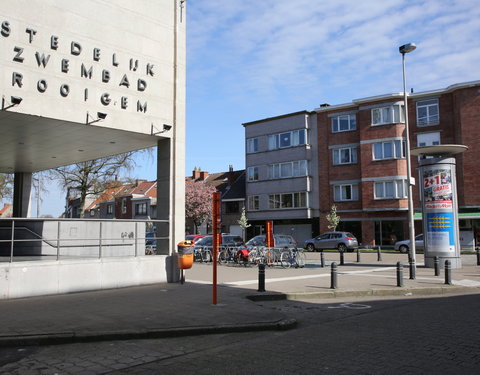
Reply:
x=351, y=336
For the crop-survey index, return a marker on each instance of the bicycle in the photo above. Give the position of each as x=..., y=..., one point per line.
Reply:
x=292, y=257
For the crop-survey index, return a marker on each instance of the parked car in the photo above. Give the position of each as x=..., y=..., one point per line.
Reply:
x=194, y=237
x=150, y=243
x=404, y=246
x=280, y=241
x=343, y=241
x=227, y=240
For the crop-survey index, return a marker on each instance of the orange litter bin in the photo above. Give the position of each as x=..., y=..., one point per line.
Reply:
x=185, y=257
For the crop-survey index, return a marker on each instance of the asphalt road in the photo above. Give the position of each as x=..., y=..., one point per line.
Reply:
x=390, y=336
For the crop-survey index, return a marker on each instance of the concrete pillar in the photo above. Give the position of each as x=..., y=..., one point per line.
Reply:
x=22, y=187
x=164, y=195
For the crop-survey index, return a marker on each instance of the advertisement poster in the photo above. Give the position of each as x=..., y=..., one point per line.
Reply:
x=437, y=189
x=440, y=230
x=438, y=201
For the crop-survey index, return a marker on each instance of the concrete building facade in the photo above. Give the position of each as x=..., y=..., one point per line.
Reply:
x=282, y=174
x=81, y=81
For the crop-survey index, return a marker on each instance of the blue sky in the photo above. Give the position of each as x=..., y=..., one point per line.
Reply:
x=250, y=59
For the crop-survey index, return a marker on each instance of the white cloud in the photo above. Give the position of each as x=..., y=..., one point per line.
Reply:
x=267, y=47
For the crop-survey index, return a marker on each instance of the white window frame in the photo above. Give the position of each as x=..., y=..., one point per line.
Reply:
x=109, y=209
x=297, y=199
x=429, y=119
x=398, y=188
x=395, y=115
x=352, y=155
x=397, y=146
x=340, y=192
x=253, y=202
x=252, y=145
x=295, y=136
x=252, y=174
x=351, y=119
x=298, y=168
x=137, y=210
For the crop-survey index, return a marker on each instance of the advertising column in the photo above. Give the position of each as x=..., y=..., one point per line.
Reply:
x=440, y=212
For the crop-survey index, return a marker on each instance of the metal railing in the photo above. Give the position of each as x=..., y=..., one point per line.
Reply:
x=45, y=238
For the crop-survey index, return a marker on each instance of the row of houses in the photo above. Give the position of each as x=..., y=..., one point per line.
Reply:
x=139, y=200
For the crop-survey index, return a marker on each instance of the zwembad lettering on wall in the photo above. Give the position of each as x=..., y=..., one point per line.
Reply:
x=90, y=64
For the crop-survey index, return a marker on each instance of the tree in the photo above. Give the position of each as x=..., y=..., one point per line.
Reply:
x=243, y=222
x=94, y=176
x=333, y=218
x=198, y=202
x=6, y=183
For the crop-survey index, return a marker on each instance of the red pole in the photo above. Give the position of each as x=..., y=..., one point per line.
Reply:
x=269, y=234
x=216, y=234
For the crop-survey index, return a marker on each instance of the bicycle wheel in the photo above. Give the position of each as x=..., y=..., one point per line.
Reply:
x=253, y=256
x=301, y=259
x=206, y=256
x=222, y=257
x=269, y=257
x=286, y=259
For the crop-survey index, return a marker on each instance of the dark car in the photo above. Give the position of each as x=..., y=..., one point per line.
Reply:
x=227, y=240
x=284, y=241
x=343, y=241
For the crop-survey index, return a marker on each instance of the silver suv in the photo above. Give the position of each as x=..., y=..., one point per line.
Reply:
x=343, y=241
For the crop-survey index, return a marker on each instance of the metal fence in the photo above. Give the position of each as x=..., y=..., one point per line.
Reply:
x=40, y=239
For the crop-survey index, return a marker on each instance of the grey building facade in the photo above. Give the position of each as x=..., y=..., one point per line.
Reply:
x=282, y=175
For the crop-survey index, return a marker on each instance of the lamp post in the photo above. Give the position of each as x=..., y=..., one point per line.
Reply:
x=406, y=48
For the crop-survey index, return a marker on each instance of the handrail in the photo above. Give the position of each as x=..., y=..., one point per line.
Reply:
x=128, y=237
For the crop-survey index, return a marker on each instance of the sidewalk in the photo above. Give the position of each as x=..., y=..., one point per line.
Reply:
x=165, y=310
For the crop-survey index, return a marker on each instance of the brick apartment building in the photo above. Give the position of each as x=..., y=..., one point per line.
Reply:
x=364, y=172
x=361, y=166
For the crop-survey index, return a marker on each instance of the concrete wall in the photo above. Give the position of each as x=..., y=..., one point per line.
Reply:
x=78, y=238
x=25, y=279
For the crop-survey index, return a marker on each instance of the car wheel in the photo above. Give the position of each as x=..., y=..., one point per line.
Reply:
x=341, y=247
x=403, y=249
x=310, y=247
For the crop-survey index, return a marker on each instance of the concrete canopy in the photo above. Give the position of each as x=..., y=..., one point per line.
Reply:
x=35, y=143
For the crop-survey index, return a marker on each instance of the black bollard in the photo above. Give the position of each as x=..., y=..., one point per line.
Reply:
x=358, y=255
x=261, y=277
x=448, y=272
x=379, y=254
x=333, y=277
x=436, y=265
x=399, y=274
x=341, y=258
x=322, y=259
x=411, y=263
x=478, y=256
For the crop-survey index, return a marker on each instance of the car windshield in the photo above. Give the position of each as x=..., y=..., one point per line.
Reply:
x=204, y=241
x=256, y=241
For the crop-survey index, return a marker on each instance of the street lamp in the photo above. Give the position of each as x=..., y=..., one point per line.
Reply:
x=406, y=48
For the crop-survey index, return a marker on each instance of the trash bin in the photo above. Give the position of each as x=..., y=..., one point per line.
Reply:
x=185, y=254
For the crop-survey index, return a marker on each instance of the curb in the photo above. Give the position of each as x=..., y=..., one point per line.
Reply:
x=73, y=337
x=359, y=293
